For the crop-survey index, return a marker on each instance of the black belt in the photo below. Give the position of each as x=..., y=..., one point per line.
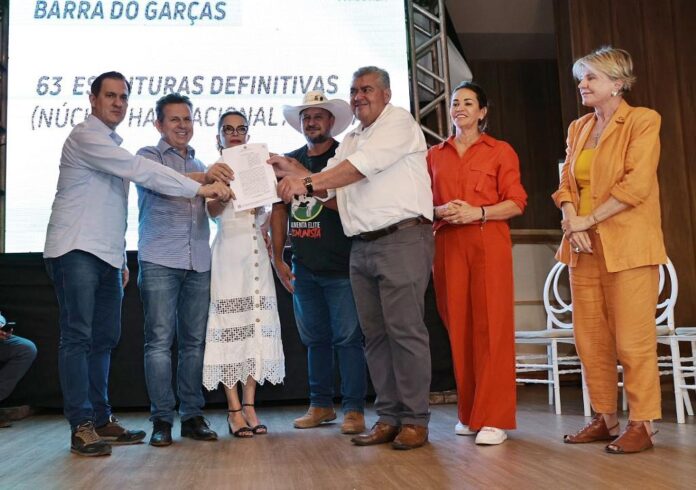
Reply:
x=368, y=236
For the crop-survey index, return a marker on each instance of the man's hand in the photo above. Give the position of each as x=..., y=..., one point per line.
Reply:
x=125, y=275
x=216, y=190
x=290, y=187
x=219, y=172
x=285, y=274
x=285, y=166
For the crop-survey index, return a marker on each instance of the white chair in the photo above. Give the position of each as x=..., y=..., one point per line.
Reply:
x=559, y=330
x=684, y=367
x=680, y=367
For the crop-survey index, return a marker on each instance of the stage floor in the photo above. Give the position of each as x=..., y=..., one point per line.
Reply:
x=34, y=455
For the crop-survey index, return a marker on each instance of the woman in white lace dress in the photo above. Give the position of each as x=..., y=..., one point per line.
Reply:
x=243, y=344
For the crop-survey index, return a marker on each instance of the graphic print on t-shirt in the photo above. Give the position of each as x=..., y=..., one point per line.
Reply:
x=304, y=210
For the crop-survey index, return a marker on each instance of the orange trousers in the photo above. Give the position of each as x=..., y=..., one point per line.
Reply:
x=474, y=289
x=614, y=319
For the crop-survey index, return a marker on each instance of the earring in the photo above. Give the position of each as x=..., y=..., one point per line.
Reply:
x=614, y=93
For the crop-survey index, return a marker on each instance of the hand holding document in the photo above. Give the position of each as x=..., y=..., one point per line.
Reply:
x=254, y=182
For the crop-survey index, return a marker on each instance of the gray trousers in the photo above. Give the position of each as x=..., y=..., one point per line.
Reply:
x=389, y=277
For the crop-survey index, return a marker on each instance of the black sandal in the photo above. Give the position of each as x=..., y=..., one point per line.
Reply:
x=259, y=429
x=244, y=432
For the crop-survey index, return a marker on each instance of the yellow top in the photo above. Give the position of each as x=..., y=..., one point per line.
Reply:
x=582, y=177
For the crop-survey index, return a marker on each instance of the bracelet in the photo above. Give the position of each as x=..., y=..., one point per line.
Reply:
x=594, y=218
x=484, y=218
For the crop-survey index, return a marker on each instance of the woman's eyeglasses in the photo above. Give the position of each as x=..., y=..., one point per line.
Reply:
x=228, y=130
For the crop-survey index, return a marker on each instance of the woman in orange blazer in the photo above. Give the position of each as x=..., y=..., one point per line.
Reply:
x=613, y=244
x=476, y=189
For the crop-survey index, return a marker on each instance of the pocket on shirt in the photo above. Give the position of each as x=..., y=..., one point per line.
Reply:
x=484, y=176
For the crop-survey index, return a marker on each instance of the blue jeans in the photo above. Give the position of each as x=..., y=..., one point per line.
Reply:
x=175, y=302
x=328, y=322
x=16, y=356
x=89, y=296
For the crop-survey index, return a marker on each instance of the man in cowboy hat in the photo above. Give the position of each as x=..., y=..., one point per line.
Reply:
x=383, y=194
x=322, y=297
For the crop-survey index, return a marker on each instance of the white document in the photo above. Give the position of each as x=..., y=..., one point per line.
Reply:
x=254, y=182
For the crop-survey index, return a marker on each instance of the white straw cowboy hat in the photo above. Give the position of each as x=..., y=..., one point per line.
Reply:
x=340, y=109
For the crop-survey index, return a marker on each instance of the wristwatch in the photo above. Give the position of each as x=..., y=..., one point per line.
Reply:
x=307, y=181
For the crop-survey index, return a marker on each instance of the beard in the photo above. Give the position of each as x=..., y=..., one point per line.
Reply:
x=321, y=138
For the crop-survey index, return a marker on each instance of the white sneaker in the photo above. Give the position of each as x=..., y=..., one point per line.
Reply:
x=463, y=430
x=491, y=436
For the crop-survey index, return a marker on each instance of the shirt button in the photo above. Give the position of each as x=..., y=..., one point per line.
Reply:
x=256, y=264
x=253, y=225
x=258, y=320
x=256, y=251
x=256, y=279
x=257, y=291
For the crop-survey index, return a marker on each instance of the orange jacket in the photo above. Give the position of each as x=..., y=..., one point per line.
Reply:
x=625, y=167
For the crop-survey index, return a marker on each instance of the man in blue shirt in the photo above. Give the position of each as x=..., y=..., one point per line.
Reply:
x=85, y=258
x=174, y=280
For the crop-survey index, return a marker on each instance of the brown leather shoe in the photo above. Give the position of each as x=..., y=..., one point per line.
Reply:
x=379, y=434
x=314, y=417
x=353, y=423
x=410, y=437
x=634, y=439
x=596, y=430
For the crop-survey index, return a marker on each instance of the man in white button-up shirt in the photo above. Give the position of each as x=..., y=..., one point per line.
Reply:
x=384, y=199
x=85, y=258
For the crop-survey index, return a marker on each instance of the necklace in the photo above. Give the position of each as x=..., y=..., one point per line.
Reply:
x=597, y=133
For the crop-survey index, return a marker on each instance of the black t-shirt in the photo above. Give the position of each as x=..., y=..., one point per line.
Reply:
x=316, y=235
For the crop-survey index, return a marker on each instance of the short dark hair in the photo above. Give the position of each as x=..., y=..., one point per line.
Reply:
x=95, y=88
x=480, y=97
x=231, y=113
x=173, y=98
x=381, y=73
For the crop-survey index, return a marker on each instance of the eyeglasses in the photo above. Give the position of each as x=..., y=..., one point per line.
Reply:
x=228, y=130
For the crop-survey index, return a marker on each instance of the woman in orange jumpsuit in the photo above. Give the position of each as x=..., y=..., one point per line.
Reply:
x=476, y=189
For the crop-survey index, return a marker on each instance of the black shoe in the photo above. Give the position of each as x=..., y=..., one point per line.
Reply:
x=114, y=433
x=86, y=442
x=161, y=433
x=197, y=428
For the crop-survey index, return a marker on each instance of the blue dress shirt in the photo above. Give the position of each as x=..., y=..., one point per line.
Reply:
x=91, y=203
x=173, y=231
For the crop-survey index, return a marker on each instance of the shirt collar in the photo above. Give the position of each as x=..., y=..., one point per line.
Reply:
x=164, y=147
x=360, y=129
x=93, y=122
x=483, y=139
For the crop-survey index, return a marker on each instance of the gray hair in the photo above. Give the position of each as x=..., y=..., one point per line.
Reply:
x=369, y=70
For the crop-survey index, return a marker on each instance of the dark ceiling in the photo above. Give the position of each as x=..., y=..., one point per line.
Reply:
x=504, y=29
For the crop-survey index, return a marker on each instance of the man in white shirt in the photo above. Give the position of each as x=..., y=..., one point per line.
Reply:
x=85, y=258
x=385, y=201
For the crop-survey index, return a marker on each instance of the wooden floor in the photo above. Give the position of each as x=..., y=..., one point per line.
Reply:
x=34, y=455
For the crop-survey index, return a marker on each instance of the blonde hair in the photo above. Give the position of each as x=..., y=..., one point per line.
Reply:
x=613, y=62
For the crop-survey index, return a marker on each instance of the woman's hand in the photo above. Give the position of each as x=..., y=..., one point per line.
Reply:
x=580, y=242
x=575, y=224
x=458, y=212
